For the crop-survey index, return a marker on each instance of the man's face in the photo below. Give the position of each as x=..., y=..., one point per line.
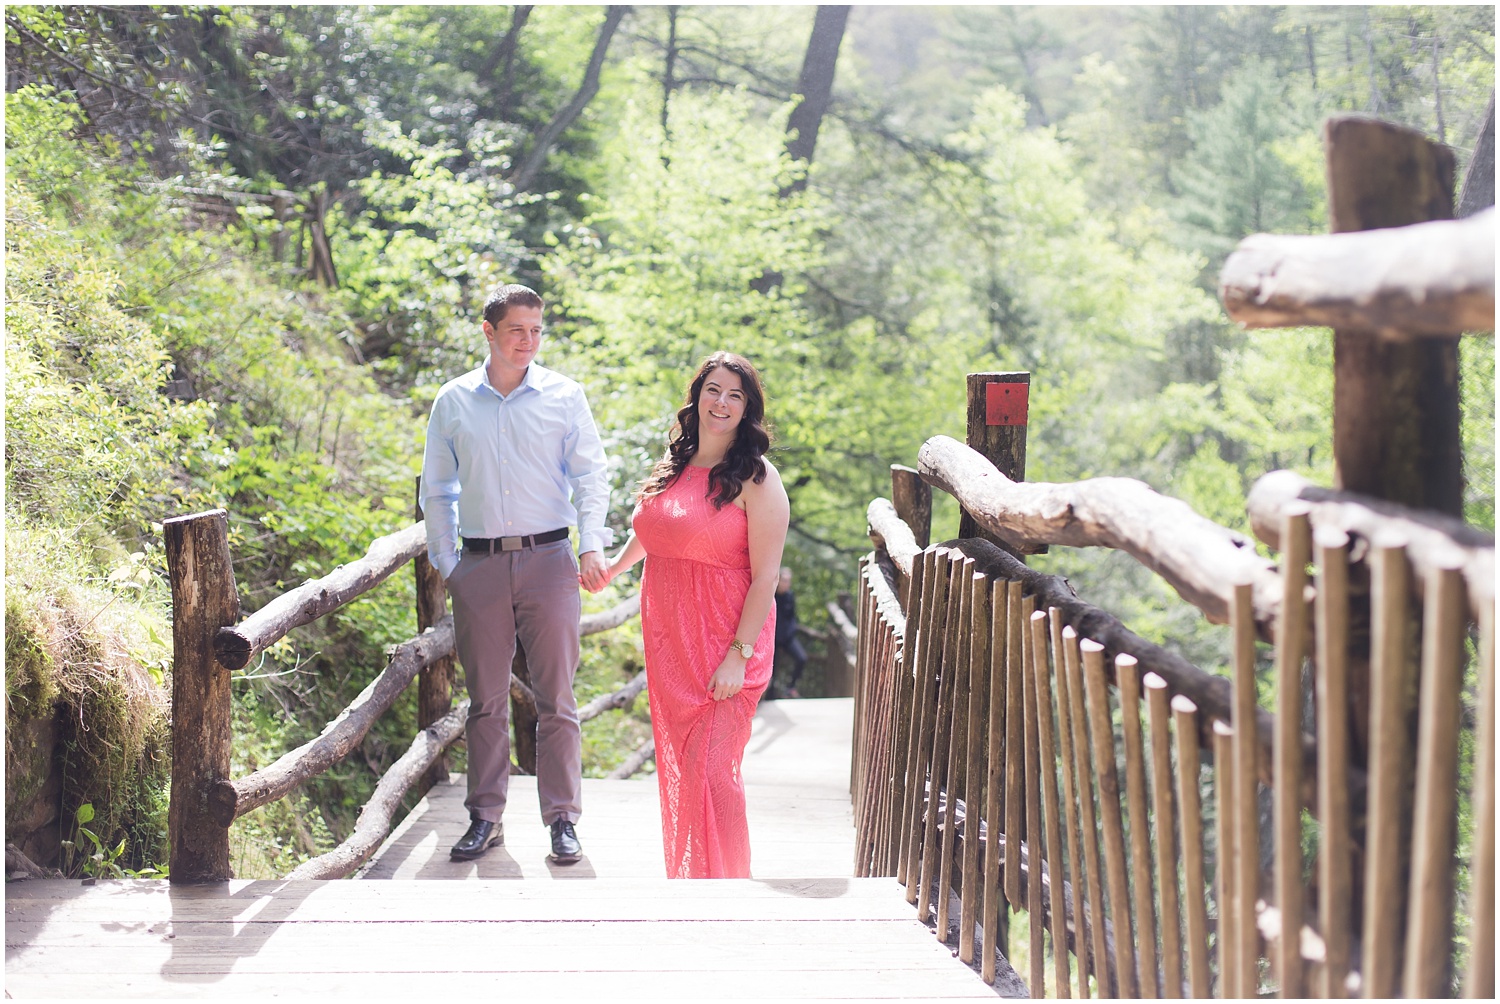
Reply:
x=516, y=337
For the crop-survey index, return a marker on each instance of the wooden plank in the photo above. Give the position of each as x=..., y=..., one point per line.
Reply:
x=1479, y=980
x=1163, y=830
x=994, y=894
x=1015, y=742
x=376, y=935
x=1429, y=918
x=476, y=900
x=1291, y=647
x=902, y=759
x=942, y=733
x=1331, y=688
x=981, y=630
x=1387, y=818
x=1047, y=746
x=1245, y=835
x=735, y=984
x=1097, y=696
x=924, y=788
x=1226, y=868
x=919, y=620
x=1073, y=669
x=1035, y=904
x=1190, y=820
x=1128, y=681
x=1072, y=824
x=284, y=952
x=957, y=667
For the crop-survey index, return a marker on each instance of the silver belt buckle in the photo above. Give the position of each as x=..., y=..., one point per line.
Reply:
x=511, y=543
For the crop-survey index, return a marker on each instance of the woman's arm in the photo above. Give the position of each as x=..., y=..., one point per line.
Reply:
x=628, y=555
x=768, y=513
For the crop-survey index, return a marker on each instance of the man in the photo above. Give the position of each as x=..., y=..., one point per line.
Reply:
x=786, y=629
x=513, y=459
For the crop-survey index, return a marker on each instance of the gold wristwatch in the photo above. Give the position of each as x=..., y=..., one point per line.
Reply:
x=744, y=648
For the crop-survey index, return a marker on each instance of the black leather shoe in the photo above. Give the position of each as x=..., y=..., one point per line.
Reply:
x=565, y=846
x=481, y=836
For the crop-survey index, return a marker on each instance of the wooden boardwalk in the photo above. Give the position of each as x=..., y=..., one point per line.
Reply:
x=608, y=928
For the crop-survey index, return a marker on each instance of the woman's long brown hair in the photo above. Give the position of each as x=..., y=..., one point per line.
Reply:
x=751, y=441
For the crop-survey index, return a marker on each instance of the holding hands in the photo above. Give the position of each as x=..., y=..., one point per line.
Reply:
x=593, y=574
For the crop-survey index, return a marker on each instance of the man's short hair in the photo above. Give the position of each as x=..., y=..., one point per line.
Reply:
x=507, y=296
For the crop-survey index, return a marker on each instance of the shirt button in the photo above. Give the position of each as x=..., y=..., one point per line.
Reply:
x=507, y=491
x=507, y=522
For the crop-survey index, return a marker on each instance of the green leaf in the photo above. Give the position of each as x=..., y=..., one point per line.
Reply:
x=85, y=813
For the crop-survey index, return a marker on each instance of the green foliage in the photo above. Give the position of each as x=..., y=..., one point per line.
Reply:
x=1241, y=175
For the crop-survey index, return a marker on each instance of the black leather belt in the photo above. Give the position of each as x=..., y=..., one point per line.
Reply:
x=492, y=545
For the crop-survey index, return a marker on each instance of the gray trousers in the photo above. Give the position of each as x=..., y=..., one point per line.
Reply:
x=532, y=593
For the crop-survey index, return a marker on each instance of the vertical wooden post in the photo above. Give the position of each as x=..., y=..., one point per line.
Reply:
x=203, y=600
x=1291, y=647
x=1395, y=404
x=912, y=498
x=999, y=404
x=435, y=685
x=1336, y=847
x=1245, y=836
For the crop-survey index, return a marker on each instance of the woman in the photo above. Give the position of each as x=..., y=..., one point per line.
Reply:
x=710, y=522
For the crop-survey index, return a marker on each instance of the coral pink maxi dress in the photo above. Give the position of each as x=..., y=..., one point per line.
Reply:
x=692, y=593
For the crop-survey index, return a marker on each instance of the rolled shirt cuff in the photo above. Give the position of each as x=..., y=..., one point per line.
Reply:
x=445, y=564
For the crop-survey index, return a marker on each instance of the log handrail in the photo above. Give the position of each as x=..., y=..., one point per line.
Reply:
x=609, y=702
x=1200, y=559
x=228, y=800
x=1424, y=280
x=607, y=620
x=375, y=818
x=1435, y=541
x=1213, y=695
x=235, y=646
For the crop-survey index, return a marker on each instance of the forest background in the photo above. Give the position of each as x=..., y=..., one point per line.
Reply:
x=246, y=245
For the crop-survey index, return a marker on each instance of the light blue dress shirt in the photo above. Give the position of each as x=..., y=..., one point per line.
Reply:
x=512, y=465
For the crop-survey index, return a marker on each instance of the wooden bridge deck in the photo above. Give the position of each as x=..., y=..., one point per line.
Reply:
x=608, y=928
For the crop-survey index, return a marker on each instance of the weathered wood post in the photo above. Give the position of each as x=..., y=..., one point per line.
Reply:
x=1395, y=404
x=999, y=405
x=204, y=599
x=435, y=685
x=912, y=498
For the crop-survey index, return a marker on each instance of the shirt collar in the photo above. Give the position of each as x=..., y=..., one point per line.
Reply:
x=531, y=380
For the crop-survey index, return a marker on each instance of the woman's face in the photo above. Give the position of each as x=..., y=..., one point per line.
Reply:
x=721, y=402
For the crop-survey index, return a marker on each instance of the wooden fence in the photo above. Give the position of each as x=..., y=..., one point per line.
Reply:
x=1020, y=751
x=210, y=642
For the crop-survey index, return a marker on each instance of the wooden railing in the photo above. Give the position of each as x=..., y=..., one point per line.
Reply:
x=210, y=642
x=1002, y=765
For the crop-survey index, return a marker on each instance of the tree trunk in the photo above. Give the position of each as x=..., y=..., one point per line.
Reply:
x=532, y=165
x=1479, y=178
x=815, y=84
x=504, y=58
